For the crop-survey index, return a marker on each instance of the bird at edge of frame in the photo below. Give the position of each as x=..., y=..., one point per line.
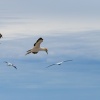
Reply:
x=1, y=35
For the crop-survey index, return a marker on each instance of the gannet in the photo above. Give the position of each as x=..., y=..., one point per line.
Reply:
x=58, y=63
x=10, y=64
x=37, y=47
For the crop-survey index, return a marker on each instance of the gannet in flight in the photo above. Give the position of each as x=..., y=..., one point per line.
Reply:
x=10, y=64
x=37, y=47
x=59, y=63
x=1, y=35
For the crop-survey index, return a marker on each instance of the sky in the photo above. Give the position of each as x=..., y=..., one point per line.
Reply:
x=70, y=29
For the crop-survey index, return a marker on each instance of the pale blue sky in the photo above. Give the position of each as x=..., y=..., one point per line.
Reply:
x=52, y=7
x=70, y=29
x=42, y=16
x=74, y=80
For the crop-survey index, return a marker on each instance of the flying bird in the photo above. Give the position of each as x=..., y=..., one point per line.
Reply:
x=1, y=35
x=58, y=63
x=36, y=48
x=10, y=64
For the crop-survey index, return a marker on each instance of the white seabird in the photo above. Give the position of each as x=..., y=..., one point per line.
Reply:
x=10, y=64
x=59, y=63
x=37, y=47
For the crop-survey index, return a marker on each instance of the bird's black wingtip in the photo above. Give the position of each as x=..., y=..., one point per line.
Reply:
x=69, y=60
x=5, y=61
x=41, y=38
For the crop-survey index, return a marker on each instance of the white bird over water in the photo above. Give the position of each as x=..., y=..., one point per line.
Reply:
x=59, y=63
x=10, y=64
x=37, y=47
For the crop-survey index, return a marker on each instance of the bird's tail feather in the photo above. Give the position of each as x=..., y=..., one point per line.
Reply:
x=28, y=52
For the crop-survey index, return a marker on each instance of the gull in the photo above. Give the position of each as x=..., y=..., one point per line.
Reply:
x=58, y=63
x=10, y=64
x=1, y=35
x=36, y=48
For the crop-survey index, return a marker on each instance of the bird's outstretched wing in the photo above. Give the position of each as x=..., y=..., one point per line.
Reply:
x=50, y=65
x=67, y=60
x=5, y=62
x=14, y=66
x=38, y=42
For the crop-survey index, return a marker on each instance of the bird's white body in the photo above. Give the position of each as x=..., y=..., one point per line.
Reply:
x=59, y=63
x=9, y=64
x=37, y=47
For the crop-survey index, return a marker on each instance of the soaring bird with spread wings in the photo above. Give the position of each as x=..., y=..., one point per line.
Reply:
x=59, y=63
x=37, y=47
x=10, y=64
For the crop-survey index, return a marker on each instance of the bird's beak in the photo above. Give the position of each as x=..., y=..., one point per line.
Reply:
x=47, y=51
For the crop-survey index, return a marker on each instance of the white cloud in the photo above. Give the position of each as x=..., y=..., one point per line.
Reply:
x=35, y=26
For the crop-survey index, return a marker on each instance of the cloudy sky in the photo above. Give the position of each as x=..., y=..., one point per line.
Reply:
x=70, y=29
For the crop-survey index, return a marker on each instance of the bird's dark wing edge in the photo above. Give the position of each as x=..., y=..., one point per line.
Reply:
x=67, y=60
x=38, y=40
x=50, y=65
x=15, y=67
